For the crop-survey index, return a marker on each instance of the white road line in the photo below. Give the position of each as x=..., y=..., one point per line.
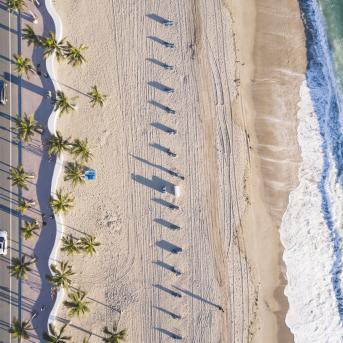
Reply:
x=10, y=101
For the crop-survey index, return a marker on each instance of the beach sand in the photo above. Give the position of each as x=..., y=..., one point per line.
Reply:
x=229, y=230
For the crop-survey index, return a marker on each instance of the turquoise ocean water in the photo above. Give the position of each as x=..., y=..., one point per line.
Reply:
x=333, y=14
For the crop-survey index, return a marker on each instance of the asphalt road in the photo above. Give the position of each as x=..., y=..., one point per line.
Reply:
x=9, y=306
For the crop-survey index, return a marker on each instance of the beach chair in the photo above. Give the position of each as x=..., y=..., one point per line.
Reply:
x=168, y=23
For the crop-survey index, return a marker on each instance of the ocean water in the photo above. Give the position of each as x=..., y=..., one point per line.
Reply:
x=312, y=226
x=332, y=11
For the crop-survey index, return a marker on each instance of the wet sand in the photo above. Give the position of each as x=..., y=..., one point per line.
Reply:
x=273, y=70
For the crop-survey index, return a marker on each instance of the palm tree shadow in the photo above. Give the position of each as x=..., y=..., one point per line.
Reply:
x=72, y=88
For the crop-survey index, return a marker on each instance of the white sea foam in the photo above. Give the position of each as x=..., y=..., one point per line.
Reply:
x=309, y=251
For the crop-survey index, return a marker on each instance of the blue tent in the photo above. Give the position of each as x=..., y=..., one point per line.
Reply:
x=90, y=174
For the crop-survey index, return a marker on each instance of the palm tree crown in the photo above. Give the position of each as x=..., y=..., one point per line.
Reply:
x=88, y=244
x=19, y=267
x=114, y=336
x=19, y=177
x=19, y=6
x=61, y=277
x=74, y=54
x=96, y=98
x=16, y=5
x=61, y=202
x=25, y=204
x=57, y=144
x=29, y=229
x=23, y=65
x=69, y=245
x=76, y=303
x=86, y=339
x=74, y=172
x=26, y=127
x=55, y=336
x=20, y=329
x=64, y=104
x=30, y=36
x=80, y=149
x=51, y=45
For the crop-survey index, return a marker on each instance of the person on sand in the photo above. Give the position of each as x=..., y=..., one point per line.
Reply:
x=176, y=316
x=220, y=308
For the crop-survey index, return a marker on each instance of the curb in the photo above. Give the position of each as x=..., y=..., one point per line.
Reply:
x=52, y=123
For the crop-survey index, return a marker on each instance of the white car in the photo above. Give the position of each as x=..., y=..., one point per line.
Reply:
x=3, y=86
x=3, y=243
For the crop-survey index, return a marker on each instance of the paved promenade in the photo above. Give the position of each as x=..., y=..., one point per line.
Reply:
x=25, y=96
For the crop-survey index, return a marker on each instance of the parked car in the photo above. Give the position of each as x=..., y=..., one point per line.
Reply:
x=3, y=86
x=3, y=243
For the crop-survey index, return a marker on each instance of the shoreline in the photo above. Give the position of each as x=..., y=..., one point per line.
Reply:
x=313, y=222
x=271, y=180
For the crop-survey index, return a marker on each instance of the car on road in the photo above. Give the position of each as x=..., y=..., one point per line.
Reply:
x=3, y=242
x=3, y=86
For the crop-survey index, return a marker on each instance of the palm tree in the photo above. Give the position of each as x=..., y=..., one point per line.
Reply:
x=114, y=336
x=74, y=54
x=30, y=36
x=69, y=245
x=51, y=45
x=29, y=229
x=26, y=127
x=88, y=244
x=20, y=329
x=74, y=172
x=53, y=336
x=97, y=98
x=64, y=104
x=19, y=177
x=76, y=305
x=23, y=65
x=19, y=267
x=61, y=277
x=80, y=149
x=16, y=5
x=61, y=202
x=23, y=205
x=19, y=6
x=86, y=339
x=57, y=144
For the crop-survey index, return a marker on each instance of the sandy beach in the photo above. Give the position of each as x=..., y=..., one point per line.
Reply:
x=270, y=89
x=234, y=134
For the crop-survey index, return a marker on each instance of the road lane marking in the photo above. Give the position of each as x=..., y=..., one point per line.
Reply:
x=10, y=107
